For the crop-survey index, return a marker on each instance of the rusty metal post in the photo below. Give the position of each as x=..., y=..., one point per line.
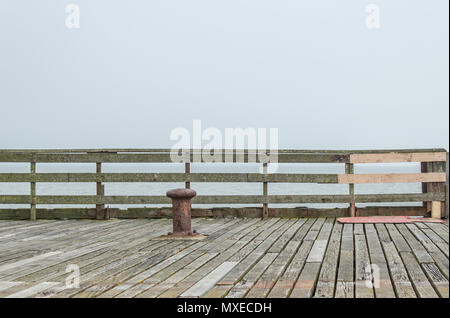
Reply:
x=181, y=208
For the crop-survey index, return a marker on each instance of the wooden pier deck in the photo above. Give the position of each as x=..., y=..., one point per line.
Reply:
x=314, y=257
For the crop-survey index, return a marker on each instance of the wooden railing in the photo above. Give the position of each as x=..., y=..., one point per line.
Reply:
x=432, y=176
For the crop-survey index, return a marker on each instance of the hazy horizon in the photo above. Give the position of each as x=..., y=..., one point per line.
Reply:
x=134, y=71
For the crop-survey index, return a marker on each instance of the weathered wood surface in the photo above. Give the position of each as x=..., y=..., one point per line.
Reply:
x=164, y=155
x=168, y=177
x=399, y=157
x=433, y=178
x=219, y=199
x=225, y=177
x=167, y=150
x=217, y=212
x=391, y=178
x=240, y=258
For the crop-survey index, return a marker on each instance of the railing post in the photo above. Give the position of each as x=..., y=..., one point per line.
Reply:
x=33, y=190
x=187, y=169
x=350, y=169
x=446, y=189
x=424, y=169
x=439, y=187
x=100, y=208
x=265, y=211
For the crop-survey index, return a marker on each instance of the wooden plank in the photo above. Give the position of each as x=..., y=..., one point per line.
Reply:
x=439, y=258
x=327, y=278
x=163, y=157
x=205, y=284
x=219, y=199
x=286, y=282
x=169, y=177
x=417, y=248
x=317, y=252
x=440, y=230
x=312, y=158
x=8, y=285
x=399, y=275
x=314, y=230
x=391, y=178
x=439, y=282
x=398, y=157
x=306, y=283
x=14, y=265
x=363, y=276
x=397, y=238
x=374, y=245
x=302, y=232
x=269, y=278
x=382, y=281
x=437, y=240
x=86, y=157
x=168, y=150
x=248, y=257
x=246, y=283
x=345, y=278
x=436, y=207
x=33, y=290
x=381, y=278
x=287, y=236
x=249, y=242
x=418, y=278
x=217, y=212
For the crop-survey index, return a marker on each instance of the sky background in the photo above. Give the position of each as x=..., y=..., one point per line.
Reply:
x=135, y=70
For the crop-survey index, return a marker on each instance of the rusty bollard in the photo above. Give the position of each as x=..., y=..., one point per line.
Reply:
x=181, y=209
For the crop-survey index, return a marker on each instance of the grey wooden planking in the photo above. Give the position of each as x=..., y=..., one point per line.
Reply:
x=240, y=258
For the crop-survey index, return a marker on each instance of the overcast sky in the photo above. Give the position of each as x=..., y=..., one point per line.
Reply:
x=135, y=70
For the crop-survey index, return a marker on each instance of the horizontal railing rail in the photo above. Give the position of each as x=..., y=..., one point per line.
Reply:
x=433, y=176
x=168, y=150
x=222, y=199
